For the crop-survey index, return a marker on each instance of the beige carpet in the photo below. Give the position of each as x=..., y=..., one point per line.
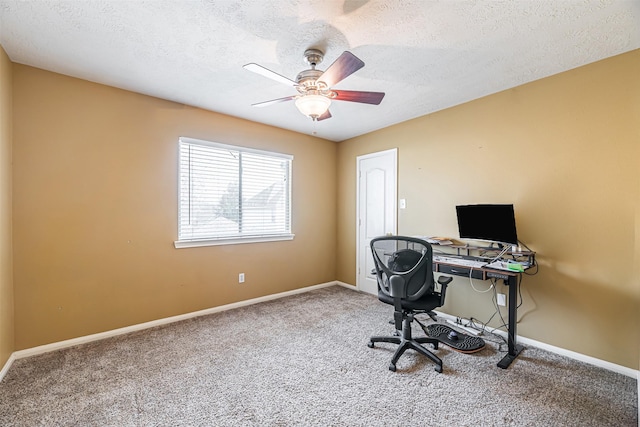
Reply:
x=303, y=361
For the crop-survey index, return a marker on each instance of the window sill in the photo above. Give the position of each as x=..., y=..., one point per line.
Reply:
x=179, y=244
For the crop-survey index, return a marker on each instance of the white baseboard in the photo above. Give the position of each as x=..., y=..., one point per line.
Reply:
x=141, y=326
x=133, y=328
x=633, y=373
x=7, y=365
x=346, y=285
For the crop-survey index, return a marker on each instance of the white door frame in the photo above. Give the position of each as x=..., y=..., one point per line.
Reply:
x=394, y=226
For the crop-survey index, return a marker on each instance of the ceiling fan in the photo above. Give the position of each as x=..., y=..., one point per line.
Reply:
x=314, y=87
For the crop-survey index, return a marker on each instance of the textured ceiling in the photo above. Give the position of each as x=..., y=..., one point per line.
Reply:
x=426, y=55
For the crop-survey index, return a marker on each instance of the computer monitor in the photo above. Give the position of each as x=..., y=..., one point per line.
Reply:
x=494, y=223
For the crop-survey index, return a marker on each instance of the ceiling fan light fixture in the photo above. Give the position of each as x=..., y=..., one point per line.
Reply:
x=313, y=106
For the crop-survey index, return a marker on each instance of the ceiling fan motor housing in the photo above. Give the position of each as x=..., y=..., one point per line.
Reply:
x=308, y=77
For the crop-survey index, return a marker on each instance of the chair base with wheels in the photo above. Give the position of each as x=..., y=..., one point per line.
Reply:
x=405, y=342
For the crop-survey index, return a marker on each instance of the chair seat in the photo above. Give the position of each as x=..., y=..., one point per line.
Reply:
x=426, y=302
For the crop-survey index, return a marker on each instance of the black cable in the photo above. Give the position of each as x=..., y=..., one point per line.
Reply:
x=504, y=324
x=494, y=300
x=483, y=328
x=535, y=264
x=519, y=285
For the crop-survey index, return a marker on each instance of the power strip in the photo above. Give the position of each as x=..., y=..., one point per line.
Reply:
x=472, y=331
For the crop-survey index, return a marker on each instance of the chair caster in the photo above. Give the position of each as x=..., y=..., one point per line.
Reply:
x=392, y=367
x=370, y=344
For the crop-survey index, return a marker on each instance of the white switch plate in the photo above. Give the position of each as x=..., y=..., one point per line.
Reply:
x=403, y=203
x=241, y=278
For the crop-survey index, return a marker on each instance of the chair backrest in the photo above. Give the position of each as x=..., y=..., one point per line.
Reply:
x=406, y=261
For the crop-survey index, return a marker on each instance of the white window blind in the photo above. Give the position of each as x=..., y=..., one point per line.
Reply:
x=232, y=194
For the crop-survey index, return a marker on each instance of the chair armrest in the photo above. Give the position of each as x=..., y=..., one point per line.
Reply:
x=444, y=282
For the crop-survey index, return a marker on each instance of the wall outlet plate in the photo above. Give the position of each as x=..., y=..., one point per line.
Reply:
x=502, y=300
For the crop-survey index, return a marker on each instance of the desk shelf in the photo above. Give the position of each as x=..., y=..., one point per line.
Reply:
x=475, y=273
x=469, y=250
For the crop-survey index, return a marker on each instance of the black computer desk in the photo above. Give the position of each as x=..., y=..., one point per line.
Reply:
x=511, y=279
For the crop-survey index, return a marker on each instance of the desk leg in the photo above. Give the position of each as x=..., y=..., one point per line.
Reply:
x=514, y=349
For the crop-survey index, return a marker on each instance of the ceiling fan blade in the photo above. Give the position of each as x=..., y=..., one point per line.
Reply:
x=344, y=66
x=274, y=101
x=324, y=116
x=259, y=69
x=358, y=96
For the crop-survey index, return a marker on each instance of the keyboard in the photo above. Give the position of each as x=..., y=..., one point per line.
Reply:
x=459, y=261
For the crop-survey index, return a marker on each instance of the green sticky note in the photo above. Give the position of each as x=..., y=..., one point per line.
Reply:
x=515, y=267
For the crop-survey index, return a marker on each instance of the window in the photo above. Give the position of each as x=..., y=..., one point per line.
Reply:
x=232, y=194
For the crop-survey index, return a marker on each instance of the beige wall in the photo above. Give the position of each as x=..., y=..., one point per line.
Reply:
x=94, y=207
x=6, y=265
x=95, y=211
x=565, y=150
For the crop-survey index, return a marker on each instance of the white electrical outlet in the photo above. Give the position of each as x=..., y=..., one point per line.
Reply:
x=502, y=300
x=241, y=278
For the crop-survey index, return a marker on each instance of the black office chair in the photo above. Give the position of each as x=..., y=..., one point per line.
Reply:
x=403, y=266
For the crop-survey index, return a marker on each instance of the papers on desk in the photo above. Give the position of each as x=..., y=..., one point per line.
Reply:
x=439, y=240
x=436, y=240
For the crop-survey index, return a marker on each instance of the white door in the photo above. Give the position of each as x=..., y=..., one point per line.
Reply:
x=376, y=210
